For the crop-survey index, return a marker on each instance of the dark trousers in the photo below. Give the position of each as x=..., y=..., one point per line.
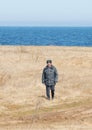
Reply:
x=48, y=89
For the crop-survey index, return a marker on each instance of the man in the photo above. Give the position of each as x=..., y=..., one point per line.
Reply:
x=50, y=78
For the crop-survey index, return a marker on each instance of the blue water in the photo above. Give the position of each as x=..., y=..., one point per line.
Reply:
x=55, y=36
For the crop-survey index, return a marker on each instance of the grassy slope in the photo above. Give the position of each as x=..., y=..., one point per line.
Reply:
x=22, y=96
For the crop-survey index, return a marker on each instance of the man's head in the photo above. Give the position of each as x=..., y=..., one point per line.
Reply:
x=49, y=63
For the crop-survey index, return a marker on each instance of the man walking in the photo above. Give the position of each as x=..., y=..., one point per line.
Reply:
x=50, y=78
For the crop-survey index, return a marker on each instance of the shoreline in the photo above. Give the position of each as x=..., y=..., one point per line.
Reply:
x=43, y=46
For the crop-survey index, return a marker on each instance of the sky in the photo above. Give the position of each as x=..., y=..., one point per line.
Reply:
x=45, y=12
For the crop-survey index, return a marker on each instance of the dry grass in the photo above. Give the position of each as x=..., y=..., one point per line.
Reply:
x=23, y=104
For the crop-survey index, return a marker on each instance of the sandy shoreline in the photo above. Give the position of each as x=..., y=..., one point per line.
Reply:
x=22, y=95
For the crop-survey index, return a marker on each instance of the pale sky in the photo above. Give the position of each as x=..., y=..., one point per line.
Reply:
x=45, y=12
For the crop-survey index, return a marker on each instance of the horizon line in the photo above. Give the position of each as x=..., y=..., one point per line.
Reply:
x=45, y=26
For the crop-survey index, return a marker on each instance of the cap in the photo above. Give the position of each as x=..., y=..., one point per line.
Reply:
x=49, y=61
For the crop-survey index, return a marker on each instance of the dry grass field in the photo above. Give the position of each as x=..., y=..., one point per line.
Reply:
x=23, y=103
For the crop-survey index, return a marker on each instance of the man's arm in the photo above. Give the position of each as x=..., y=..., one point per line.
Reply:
x=56, y=75
x=43, y=77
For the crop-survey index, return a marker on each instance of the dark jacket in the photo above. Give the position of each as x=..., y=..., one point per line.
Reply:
x=49, y=75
